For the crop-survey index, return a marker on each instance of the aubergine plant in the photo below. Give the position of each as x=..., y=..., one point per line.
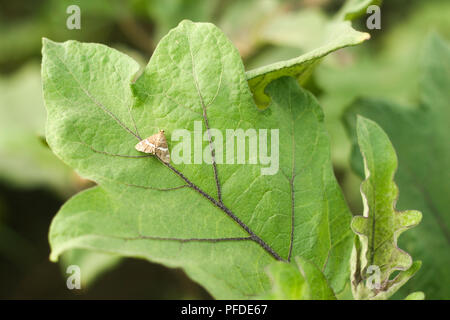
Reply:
x=420, y=136
x=238, y=232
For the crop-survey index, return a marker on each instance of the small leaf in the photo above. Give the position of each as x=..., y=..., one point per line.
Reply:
x=380, y=226
x=399, y=281
x=419, y=295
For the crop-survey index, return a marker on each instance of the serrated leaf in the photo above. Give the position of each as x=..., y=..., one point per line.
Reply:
x=381, y=225
x=121, y=226
x=420, y=136
x=329, y=37
x=399, y=280
x=223, y=229
x=301, y=280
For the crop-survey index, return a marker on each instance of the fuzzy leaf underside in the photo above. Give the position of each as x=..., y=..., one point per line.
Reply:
x=142, y=208
x=380, y=226
x=420, y=137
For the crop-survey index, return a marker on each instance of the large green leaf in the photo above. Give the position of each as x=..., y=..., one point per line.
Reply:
x=420, y=136
x=222, y=223
x=328, y=36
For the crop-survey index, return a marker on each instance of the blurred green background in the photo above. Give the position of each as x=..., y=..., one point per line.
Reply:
x=34, y=183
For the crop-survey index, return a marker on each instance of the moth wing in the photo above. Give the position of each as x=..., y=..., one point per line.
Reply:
x=145, y=146
x=155, y=144
x=163, y=154
x=154, y=139
x=161, y=140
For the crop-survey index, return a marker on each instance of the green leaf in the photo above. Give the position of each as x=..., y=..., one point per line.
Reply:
x=329, y=37
x=25, y=159
x=420, y=136
x=223, y=229
x=419, y=295
x=381, y=225
x=299, y=281
x=399, y=280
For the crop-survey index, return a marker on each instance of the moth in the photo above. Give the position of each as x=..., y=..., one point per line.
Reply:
x=157, y=145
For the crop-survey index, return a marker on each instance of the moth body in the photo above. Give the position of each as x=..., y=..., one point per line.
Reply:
x=157, y=145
